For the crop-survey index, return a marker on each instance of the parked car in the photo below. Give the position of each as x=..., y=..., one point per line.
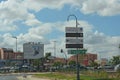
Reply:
x=117, y=67
x=106, y=67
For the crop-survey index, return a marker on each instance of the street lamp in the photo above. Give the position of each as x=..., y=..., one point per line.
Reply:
x=54, y=49
x=16, y=41
x=78, y=77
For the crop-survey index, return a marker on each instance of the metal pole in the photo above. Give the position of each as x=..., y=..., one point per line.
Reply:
x=54, y=48
x=16, y=44
x=65, y=55
x=77, y=63
x=66, y=58
x=16, y=41
x=119, y=49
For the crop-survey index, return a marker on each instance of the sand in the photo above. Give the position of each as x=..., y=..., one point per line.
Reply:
x=30, y=77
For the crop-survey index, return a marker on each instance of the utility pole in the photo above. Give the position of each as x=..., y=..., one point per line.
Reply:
x=54, y=48
x=16, y=41
x=119, y=49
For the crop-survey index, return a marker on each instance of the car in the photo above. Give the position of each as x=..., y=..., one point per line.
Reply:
x=106, y=67
x=83, y=67
x=117, y=67
x=12, y=69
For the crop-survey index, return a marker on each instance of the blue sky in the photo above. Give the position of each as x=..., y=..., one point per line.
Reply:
x=106, y=24
x=46, y=20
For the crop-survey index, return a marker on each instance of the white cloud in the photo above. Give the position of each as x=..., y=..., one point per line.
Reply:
x=15, y=10
x=7, y=41
x=95, y=42
x=40, y=4
x=101, y=7
x=6, y=25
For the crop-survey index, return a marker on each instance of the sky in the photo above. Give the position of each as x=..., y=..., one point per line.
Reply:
x=45, y=21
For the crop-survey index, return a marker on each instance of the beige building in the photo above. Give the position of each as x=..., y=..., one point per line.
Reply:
x=84, y=59
x=7, y=54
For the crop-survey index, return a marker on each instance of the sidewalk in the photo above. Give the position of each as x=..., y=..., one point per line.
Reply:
x=30, y=77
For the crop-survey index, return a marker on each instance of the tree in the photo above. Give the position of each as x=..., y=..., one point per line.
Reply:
x=72, y=63
x=115, y=60
x=47, y=55
x=36, y=62
x=57, y=64
x=94, y=64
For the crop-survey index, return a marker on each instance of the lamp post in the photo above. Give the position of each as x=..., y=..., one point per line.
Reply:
x=16, y=41
x=54, y=49
x=78, y=77
x=119, y=48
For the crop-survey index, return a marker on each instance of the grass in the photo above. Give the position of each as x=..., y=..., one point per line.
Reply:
x=57, y=76
x=67, y=76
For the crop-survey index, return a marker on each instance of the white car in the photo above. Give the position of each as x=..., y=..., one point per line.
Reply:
x=117, y=67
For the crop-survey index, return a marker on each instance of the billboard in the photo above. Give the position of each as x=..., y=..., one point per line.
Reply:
x=33, y=50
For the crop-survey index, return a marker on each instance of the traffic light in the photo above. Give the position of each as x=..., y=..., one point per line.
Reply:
x=61, y=51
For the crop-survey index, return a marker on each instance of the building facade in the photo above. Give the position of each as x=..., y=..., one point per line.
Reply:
x=84, y=59
x=18, y=55
x=104, y=61
x=9, y=54
x=33, y=50
x=6, y=54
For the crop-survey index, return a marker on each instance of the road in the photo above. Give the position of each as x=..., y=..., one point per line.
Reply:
x=19, y=76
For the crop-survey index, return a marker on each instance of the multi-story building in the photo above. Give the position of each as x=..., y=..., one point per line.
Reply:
x=104, y=61
x=9, y=54
x=6, y=53
x=62, y=60
x=18, y=55
x=84, y=59
x=33, y=50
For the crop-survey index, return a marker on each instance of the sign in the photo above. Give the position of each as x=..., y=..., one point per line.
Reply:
x=74, y=37
x=33, y=50
x=74, y=41
x=74, y=34
x=82, y=51
x=74, y=45
x=74, y=30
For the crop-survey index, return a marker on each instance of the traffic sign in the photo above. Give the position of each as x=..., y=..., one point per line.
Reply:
x=82, y=51
x=74, y=30
x=74, y=37
x=74, y=41
x=74, y=45
x=74, y=34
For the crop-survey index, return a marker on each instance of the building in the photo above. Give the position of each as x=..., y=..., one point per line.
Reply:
x=9, y=54
x=33, y=50
x=18, y=55
x=104, y=61
x=84, y=59
x=6, y=54
x=62, y=60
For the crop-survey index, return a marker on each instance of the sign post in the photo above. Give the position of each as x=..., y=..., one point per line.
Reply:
x=74, y=39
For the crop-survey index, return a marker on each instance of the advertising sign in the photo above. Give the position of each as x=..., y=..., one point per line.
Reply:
x=33, y=51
